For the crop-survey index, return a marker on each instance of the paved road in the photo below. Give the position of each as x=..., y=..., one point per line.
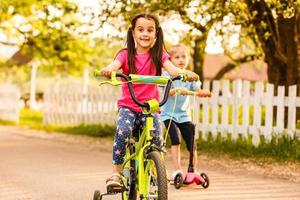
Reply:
x=37, y=165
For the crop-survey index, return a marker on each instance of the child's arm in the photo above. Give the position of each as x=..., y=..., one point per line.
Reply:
x=184, y=91
x=174, y=71
x=114, y=66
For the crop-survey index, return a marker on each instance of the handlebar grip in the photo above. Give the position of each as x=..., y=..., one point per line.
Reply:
x=191, y=93
x=97, y=73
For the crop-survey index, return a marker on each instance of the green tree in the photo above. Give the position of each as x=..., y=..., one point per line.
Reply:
x=277, y=28
x=50, y=31
x=270, y=28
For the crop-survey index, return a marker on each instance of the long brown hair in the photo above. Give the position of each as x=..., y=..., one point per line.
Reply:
x=155, y=51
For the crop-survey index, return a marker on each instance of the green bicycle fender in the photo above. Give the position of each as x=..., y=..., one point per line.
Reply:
x=141, y=147
x=145, y=178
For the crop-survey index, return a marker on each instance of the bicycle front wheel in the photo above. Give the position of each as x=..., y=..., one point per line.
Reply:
x=157, y=178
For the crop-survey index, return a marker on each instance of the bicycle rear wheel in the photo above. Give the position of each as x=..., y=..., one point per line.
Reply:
x=157, y=181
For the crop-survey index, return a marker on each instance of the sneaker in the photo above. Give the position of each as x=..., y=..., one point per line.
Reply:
x=114, y=181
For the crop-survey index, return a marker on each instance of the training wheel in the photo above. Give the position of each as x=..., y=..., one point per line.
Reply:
x=205, y=184
x=178, y=181
x=97, y=195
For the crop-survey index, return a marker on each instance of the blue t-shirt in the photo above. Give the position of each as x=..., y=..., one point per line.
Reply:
x=180, y=114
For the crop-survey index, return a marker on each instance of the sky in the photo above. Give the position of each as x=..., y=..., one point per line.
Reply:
x=6, y=51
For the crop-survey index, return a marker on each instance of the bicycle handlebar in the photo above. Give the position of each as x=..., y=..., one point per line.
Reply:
x=148, y=79
x=145, y=79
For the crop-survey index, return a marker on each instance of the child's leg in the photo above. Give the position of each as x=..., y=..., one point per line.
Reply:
x=175, y=150
x=117, y=168
x=175, y=141
x=187, y=130
x=124, y=127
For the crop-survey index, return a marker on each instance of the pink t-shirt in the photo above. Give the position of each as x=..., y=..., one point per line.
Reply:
x=143, y=92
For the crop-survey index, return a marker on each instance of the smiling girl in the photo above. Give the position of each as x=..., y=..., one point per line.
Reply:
x=144, y=55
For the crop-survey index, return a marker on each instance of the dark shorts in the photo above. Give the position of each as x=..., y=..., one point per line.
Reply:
x=187, y=130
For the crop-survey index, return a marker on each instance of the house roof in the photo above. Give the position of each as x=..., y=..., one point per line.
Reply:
x=18, y=59
x=13, y=56
x=252, y=71
x=7, y=51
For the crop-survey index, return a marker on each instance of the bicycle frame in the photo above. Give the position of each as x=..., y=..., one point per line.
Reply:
x=141, y=146
x=144, y=144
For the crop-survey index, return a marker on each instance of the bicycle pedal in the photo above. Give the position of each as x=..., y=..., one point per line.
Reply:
x=114, y=189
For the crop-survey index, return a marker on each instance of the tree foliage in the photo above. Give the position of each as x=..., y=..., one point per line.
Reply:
x=268, y=29
x=49, y=31
x=276, y=24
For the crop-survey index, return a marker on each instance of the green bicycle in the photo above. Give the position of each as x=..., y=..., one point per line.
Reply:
x=144, y=173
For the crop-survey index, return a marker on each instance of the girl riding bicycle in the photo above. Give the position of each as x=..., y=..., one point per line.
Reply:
x=179, y=120
x=144, y=55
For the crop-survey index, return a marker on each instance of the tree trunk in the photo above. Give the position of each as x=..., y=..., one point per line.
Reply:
x=298, y=50
x=280, y=47
x=198, y=56
x=288, y=40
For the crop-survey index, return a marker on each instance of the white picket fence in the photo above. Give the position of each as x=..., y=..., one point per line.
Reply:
x=235, y=108
x=74, y=104
x=9, y=102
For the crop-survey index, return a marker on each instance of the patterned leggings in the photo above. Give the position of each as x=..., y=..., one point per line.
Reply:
x=125, y=125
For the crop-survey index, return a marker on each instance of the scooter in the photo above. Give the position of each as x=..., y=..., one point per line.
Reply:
x=191, y=176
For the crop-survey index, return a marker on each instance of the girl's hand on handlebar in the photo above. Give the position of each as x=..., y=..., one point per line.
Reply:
x=114, y=66
x=106, y=72
x=203, y=93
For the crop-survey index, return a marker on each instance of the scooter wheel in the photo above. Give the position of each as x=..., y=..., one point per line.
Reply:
x=97, y=195
x=178, y=181
x=205, y=184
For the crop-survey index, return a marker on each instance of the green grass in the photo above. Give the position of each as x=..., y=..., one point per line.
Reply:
x=90, y=130
x=33, y=119
x=279, y=148
x=5, y=122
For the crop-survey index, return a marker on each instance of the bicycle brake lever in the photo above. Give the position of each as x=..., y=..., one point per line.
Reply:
x=114, y=81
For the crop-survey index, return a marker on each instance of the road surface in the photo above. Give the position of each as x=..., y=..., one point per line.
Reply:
x=42, y=166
